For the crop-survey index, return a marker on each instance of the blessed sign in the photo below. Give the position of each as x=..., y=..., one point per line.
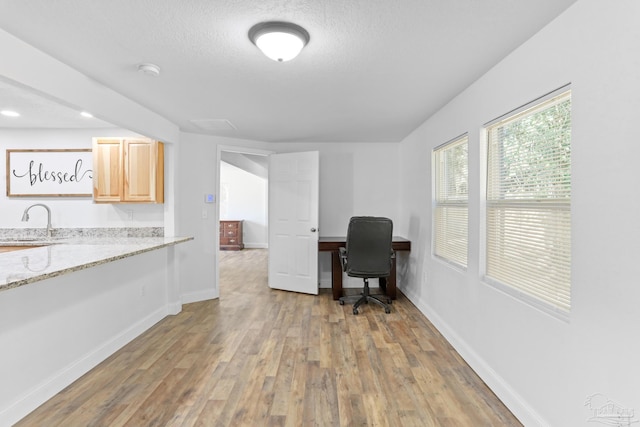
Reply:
x=49, y=173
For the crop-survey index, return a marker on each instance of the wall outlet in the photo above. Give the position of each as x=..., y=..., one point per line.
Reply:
x=143, y=290
x=129, y=215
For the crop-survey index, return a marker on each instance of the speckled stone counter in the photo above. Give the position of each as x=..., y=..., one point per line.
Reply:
x=61, y=256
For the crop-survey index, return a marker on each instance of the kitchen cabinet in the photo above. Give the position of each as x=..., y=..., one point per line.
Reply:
x=231, y=235
x=128, y=170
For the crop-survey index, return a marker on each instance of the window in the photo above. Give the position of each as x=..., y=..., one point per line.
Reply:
x=528, y=214
x=451, y=201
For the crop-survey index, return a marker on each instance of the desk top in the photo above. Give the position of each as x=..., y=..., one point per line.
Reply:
x=332, y=243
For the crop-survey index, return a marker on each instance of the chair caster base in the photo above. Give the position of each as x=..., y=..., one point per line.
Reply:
x=365, y=297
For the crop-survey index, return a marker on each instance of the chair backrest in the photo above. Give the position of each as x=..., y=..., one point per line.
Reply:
x=369, y=246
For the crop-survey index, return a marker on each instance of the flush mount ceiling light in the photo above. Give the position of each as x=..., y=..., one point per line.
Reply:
x=280, y=41
x=149, y=70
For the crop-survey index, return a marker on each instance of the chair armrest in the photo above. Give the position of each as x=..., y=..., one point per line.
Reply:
x=343, y=258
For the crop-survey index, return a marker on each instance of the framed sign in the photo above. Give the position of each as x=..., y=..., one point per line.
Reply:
x=50, y=173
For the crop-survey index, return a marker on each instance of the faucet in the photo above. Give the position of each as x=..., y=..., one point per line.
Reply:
x=25, y=216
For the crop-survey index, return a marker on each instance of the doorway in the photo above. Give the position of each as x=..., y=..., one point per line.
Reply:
x=243, y=206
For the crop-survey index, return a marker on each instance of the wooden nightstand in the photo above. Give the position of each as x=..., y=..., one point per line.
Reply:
x=231, y=235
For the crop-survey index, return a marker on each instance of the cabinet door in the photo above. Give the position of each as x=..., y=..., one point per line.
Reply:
x=143, y=171
x=107, y=170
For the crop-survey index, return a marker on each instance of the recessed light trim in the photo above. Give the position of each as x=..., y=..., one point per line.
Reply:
x=10, y=113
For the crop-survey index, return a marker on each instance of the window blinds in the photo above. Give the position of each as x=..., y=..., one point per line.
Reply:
x=529, y=202
x=450, y=217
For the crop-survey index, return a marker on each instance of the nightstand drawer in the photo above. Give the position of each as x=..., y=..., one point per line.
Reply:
x=228, y=241
x=229, y=233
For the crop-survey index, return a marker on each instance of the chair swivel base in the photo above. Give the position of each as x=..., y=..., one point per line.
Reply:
x=365, y=297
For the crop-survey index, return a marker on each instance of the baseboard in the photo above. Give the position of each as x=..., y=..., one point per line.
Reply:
x=29, y=401
x=199, y=296
x=511, y=399
x=324, y=283
x=174, y=308
x=256, y=245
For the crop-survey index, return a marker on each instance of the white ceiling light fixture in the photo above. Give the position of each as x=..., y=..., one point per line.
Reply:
x=149, y=70
x=86, y=114
x=280, y=41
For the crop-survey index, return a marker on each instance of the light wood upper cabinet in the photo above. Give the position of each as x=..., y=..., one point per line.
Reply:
x=128, y=170
x=107, y=170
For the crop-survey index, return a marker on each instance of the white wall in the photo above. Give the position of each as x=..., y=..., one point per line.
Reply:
x=197, y=163
x=69, y=212
x=542, y=367
x=55, y=330
x=243, y=195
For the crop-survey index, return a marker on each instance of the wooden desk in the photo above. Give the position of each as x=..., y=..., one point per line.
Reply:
x=332, y=244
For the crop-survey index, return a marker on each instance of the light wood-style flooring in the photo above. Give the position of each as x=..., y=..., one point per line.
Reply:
x=261, y=357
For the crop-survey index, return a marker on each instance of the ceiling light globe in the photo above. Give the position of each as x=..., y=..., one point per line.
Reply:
x=280, y=47
x=280, y=41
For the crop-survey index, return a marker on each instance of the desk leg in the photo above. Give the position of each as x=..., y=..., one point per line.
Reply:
x=388, y=284
x=336, y=275
x=391, y=285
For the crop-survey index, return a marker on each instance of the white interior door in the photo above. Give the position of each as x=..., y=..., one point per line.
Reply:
x=293, y=221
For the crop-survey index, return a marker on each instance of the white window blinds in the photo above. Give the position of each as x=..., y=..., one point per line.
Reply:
x=529, y=202
x=450, y=216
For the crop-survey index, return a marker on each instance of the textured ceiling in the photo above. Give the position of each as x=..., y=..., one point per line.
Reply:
x=372, y=71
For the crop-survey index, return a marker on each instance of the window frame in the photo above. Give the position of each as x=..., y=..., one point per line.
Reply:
x=442, y=202
x=539, y=205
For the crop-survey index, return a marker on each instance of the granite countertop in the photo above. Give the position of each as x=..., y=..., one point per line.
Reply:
x=54, y=257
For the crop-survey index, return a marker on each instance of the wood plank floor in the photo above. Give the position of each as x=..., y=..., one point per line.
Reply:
x=260, y=357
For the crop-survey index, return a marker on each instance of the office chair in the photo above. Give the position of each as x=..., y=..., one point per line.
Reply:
x=368, y=254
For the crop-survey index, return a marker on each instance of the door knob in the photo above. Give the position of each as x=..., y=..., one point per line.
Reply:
x=313, y=230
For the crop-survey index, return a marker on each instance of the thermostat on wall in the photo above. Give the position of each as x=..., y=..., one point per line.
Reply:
x=209, y=198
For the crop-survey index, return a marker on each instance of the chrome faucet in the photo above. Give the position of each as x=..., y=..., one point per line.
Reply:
x=25, y=216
